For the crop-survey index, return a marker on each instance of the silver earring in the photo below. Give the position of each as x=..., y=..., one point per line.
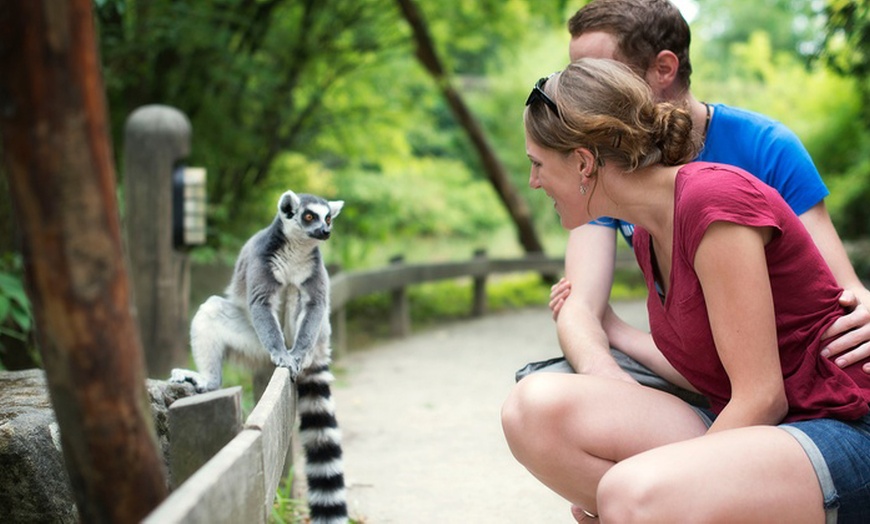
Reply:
x=584, y=189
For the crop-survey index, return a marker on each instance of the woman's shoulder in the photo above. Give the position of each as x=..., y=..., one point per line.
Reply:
x=701, y=174
x=707, y=186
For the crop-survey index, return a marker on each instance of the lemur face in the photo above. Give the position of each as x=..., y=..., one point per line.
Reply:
x=308, y=214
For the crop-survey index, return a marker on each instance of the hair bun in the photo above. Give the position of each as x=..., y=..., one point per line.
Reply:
x=672, y=133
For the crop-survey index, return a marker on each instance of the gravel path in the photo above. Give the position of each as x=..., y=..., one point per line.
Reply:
x=420, y=418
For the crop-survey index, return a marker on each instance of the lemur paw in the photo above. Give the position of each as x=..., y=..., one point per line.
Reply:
x=180, y=376
x=287, y=360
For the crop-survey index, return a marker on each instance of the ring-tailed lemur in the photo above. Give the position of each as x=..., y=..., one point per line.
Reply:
x=280, y=291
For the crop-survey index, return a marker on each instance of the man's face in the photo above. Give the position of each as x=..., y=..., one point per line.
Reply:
x=594, y=44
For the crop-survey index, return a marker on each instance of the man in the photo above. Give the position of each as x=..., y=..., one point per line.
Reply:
x=652, y=37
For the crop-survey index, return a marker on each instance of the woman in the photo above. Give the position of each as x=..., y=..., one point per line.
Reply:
x=739, y=298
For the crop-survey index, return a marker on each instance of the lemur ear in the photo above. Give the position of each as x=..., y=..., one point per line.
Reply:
x=335, y=207
x=288, y=203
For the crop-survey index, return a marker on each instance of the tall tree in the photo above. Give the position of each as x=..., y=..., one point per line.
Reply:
x=495, y=171
x=57, y=152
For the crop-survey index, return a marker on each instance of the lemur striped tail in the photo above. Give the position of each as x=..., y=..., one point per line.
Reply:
x=321, y=441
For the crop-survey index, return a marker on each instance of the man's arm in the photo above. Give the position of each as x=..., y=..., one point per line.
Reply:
x=589, y=264
x=854, y=344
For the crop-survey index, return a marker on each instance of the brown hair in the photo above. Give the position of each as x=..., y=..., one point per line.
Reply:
x=642, y=28
x=605, y=107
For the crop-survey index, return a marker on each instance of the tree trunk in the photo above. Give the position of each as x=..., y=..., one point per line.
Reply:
x=516, y=206
x=57, y=152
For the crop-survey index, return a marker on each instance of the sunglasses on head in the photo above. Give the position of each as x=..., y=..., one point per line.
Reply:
x=539, y=94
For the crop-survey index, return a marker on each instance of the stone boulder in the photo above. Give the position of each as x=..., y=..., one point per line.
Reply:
x=34, y=486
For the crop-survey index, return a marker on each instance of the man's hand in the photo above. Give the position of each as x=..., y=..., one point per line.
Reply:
x=854, y=327
x=558, y=294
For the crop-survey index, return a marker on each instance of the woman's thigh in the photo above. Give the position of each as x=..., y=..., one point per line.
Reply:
x=609, y=418
x=569, y=430
x=755, y=474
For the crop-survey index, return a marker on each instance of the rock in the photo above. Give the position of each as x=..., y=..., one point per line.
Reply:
x=34, y=486
x=162, y=394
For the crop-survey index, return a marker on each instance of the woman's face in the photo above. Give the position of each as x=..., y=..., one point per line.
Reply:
x=559, y=176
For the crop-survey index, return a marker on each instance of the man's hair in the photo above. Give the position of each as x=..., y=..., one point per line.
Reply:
x=642, y=28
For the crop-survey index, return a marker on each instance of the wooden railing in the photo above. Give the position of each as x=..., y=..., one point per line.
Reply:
x=238, y=484
x=398, y=276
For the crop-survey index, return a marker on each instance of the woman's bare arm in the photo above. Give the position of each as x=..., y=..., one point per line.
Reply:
x=732, y=268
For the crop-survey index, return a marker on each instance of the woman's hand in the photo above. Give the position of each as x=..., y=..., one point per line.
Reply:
x=853, y=332
x=558, y=294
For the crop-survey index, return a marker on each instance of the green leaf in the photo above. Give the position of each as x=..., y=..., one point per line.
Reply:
x=5, y=305
x=22, y=318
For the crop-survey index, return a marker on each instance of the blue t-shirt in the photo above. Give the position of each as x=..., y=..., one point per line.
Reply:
x=763, y=147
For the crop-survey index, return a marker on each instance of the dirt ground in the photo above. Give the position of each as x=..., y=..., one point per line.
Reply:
x=420, y=419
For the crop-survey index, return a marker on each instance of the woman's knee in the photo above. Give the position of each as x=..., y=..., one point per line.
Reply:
x=530, y=409
x=633, y=491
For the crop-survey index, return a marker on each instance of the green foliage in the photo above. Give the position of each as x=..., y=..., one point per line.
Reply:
x=290, y=510
x=450, y=300
x=500, y=103
x=287, y=509
x=16, y=317
x=326, y=97
x=846, y=44
x=815, y=103
x=421, y=198
x=848, y=201
x=793, y=26
x=822, y=107
x=847, y=37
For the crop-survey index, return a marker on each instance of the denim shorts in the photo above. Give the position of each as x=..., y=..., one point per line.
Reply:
x=840, y=454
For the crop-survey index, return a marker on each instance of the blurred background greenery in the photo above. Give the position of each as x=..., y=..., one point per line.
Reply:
x=330, y=97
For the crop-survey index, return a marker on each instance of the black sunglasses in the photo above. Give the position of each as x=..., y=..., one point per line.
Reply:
x=539, y=94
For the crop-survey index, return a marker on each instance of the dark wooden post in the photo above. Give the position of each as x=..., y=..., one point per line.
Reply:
x=58, y=158
x=337, y=319
x=156, y=139
x=478, y=307
x=400, y=316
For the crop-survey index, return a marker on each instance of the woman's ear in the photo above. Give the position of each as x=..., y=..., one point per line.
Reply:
x=585, y=162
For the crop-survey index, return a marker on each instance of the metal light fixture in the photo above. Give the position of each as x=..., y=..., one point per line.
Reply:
x=188, y=206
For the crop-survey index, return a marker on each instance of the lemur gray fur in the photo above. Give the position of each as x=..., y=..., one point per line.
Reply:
x=280, y=292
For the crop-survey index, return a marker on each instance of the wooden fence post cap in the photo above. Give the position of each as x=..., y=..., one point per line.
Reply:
x=161, y=120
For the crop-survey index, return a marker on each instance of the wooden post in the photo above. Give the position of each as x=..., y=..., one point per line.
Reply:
x=478, y=307
x=58, y=156
x=400, y=316
x=199, y=426
x=337, y=319
x=156, y=138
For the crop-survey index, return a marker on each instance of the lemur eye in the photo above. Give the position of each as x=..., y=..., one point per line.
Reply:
x=308, y=217
x=328, y=220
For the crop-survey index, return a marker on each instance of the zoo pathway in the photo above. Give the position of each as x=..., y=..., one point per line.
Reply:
x=420, y=419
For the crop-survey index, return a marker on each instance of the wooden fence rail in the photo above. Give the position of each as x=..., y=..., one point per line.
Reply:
x=239, y=482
